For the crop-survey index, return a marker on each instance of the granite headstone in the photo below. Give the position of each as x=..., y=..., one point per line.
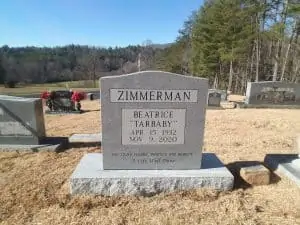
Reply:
x=223, y=93
x=274, y=93
x=152, y=120
x=214, y=98
x=21, y=120
x=152, y=137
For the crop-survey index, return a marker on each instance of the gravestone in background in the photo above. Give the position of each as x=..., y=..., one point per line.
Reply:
x=214, y=98
x=272, y=93
x=61, y=102
x=152, y=138
x=223, y=93
x=21, y=120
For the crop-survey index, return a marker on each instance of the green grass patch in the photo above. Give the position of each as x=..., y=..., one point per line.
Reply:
x=19, y=90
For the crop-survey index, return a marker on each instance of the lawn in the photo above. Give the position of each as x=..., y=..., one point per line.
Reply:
x=23, y=90
x=34, y=186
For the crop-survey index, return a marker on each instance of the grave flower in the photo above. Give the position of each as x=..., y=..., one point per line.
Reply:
x=77, y=97
x=45, y=95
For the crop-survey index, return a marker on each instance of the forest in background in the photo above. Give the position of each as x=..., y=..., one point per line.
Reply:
x=230, y=42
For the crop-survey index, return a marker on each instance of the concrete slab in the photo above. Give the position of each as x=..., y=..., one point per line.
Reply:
x=90, y=178
x=50, y=144
x=86, y=138
x=285, y=165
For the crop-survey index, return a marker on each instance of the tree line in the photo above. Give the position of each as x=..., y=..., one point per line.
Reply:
x=72, y=62
x=230, y=42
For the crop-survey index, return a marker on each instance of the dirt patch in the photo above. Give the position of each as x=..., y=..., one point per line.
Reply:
x=34, y=186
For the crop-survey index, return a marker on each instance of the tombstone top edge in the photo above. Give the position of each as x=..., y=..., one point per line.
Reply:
x=15, y=98
x=152, y=72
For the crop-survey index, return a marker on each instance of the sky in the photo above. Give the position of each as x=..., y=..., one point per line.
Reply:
x=100, y=23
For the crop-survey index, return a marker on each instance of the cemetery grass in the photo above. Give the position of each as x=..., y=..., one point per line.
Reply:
x=23, y=90
x=34, y=186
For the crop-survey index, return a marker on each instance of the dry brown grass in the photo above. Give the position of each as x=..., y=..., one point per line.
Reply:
x=34, y=186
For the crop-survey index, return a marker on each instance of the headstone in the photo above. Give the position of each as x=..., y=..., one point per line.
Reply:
x=152, y=120
x=21, y=120
x=90, y=96
x=223, y=93
x=214, y=98
x=272, y=93
x=152, y=138
x=61, y=102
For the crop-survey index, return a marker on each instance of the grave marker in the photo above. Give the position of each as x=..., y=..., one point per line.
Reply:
x=214, y=98
x=21, y=120
x=63, y=101
x=152, y=138
x=272, y=93
x=223, y=93
x=152, y=120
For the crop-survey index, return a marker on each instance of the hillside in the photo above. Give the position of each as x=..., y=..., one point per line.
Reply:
x=72, y=62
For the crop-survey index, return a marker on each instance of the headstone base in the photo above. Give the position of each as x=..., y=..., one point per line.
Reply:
x=19, y=140
x=63, y=112
x=49, y=144
x=285, y=165
x=90, y=178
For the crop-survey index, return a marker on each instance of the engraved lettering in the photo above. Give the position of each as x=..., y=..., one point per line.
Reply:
x=153, y=126
x=140, y=95
x=121, y=95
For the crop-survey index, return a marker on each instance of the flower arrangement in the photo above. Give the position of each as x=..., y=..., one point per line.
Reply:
x=75, y=98
x=45, y=95
x=78, y=96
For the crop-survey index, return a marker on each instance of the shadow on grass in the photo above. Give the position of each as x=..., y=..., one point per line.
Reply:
x=235, y=168
x=84, y=145
x=94, y=110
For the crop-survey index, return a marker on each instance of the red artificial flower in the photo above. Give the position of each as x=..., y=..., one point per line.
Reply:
x=78, y=96
x=45, y=95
